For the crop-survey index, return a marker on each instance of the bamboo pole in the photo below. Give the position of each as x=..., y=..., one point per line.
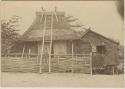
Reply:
x=23, y=51
x=44, y=30
x=56, y=14
x=72, y=57
x=41, y=18
x=50, y=44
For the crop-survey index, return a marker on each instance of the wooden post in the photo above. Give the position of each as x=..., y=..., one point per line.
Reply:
x=23, y=51
x=91, y=54
x=37, y=57
x=91, y=63
x=38, y=54
x=58, y=59
x=29, y=53
x=72, y=57
x=113, y=70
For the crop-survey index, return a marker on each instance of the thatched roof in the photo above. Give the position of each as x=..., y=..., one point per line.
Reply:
x=63, y=34
x=62, y=29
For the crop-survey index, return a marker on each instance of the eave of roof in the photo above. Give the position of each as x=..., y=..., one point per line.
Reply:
x=58, y=34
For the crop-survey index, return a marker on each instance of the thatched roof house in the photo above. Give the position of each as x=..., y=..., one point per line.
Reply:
x=66, y=40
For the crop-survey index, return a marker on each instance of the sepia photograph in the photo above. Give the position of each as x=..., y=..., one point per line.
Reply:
x=74, y=44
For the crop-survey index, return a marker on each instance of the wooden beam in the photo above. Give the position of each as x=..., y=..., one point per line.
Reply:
x=70, y=54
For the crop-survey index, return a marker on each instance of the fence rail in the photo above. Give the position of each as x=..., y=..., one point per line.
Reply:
x=26, y=54
x=77, y=63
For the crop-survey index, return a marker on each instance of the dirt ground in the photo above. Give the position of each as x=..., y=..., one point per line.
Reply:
x=60, y=80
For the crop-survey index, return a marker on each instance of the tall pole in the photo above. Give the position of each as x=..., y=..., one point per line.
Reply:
x=50, y=43
x=44, y=30
x=56, y=14
x=72, y=57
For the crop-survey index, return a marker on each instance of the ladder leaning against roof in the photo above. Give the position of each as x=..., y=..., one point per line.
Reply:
x=50, y=40
x=42, y=49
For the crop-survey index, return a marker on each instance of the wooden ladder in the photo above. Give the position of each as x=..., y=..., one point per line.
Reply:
x=48, y=41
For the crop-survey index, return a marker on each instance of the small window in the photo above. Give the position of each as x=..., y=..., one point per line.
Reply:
x=101, y=49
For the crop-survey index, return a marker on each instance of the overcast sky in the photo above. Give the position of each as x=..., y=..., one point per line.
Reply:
x=101, y=16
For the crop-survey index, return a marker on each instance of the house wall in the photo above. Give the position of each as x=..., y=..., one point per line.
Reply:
x=65, y=47
x=111, y=55
x=17, y=48
x=60, y=47
x=32, y=46
x=46, y=48
x=82, y=47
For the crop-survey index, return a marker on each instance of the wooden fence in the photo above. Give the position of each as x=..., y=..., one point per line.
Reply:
x=67, y=63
